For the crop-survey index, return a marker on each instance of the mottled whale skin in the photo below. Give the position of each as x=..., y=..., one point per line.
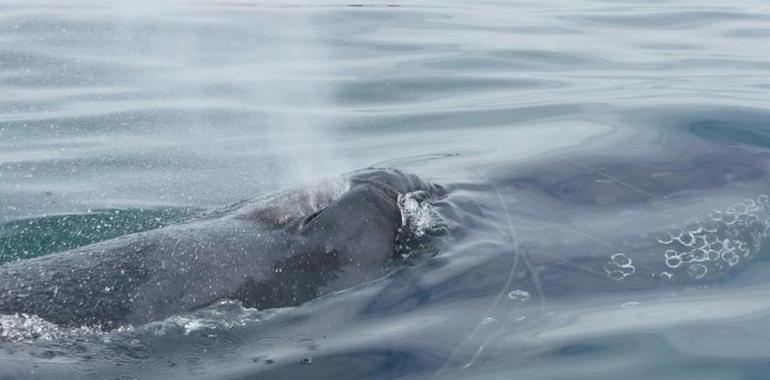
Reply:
x=278, y=251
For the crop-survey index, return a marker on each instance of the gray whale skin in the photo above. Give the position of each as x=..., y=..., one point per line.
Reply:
x=277, y=251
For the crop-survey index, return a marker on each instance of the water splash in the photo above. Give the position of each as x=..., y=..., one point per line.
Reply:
x=221, y=315
x=31, y=328
x=419, y=221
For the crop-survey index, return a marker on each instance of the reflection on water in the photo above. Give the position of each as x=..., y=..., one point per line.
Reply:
x=605, y=165
x=27, y=238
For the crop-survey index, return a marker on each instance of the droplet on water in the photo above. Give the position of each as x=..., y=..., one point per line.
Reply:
x=519, y=295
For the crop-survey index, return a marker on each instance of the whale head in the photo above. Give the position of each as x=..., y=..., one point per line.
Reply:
x=333, y=235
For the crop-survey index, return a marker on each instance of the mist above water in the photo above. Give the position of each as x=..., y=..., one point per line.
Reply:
x=270, y=64
x=144, y=104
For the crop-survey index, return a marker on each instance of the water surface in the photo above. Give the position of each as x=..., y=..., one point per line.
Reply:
x=566, y=132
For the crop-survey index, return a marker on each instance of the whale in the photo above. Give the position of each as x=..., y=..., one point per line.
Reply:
x=576, y=225
x=562, y=244
x=280, y=250
x=540, y=251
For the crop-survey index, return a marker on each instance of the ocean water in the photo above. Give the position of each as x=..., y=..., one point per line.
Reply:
x=606, y=166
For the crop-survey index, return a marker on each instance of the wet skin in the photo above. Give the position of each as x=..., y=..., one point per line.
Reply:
x=278, y=251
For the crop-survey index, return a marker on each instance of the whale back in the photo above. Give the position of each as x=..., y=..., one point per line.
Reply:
x=275, y=251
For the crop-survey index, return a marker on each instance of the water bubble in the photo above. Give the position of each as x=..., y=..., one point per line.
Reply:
x=519, y=295
x=629, y=305
x=673, y=262
x=671, y=253
x=686, y=238
x=697, y=271
x=307, y=360
x=763, y=201
x=665, y=238
x=621, y=260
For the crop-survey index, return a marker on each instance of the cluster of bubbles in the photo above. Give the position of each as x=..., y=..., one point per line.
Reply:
x=722, y=240
x=619, y=267
x=419, y=221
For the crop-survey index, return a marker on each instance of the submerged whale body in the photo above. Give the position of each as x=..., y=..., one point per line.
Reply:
x=561, y=230
x=616, y=223
x=278, y=251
